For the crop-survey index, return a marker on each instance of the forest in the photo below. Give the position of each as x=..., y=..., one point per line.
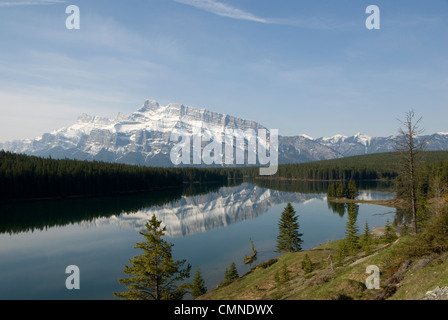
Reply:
x=431, y=187
x=379, y=166
x=25, y=177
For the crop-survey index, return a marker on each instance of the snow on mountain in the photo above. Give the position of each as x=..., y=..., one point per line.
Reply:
x=364, y=139
x=143, y=138
x=306, y=136
x=335, y=139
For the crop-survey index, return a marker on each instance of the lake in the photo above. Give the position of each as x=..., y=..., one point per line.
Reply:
x=209, y=225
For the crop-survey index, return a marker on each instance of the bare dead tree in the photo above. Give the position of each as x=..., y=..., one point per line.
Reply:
x=409, y=144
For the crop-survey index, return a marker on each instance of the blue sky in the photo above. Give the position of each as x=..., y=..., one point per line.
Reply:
x=307, y=67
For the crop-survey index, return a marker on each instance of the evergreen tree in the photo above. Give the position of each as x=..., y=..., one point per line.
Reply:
x=285, y=273
x=342, y=251
x=352, y=190
x=154, y=274
x=340, y=190
x=198, y=287
x=282, y=277
x=404, y=230
x=307, y=265
x=331, y=191
x=231, y=274
x=289, y=239
x=389, y=233
x=366, y=239
x=351, y=230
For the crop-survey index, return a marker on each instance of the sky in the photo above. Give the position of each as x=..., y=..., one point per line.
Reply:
x=302, y=67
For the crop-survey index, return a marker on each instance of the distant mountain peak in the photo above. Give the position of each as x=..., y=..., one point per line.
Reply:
x=149, y=105
x=306, y=136
x=84, y=118
x=336, y=138
x=363, y=138
x=143, y=137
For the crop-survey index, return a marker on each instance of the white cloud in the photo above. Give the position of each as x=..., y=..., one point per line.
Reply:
x=224, y=10
x=30, y=3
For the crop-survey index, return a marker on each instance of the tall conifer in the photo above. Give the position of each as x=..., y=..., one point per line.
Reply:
x=154, y=275
x=198, y=287
x=289, y=238
x=351, y=230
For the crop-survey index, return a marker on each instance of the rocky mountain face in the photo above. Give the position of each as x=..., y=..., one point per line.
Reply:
x=144, y=138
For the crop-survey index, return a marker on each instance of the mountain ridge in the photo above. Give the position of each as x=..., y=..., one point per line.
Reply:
x=143, y=138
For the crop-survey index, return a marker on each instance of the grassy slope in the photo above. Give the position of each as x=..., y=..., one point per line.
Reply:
x=344, y=282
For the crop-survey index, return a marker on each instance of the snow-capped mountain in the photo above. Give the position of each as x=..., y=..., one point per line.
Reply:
x=363, y=144
x=143, y=138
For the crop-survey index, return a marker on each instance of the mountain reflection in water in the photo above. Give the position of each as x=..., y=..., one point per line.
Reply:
x=202, y=213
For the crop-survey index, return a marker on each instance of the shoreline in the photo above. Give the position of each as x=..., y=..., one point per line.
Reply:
x=393, y=203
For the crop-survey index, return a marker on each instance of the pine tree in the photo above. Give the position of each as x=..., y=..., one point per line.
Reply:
x=231, y=274
x=366, y=239
x=307, y=265
x=289, y=239
x=154, y=274
x=282, y=277
x=351, y=231
x=389, y=233
x=404, y=230
x=340, y=190
x=198, y=287
x=285, y=273
x=352, y=190
x=331, y=191
x=342, y=251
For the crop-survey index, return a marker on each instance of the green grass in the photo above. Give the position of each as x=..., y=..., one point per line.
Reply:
x=409, y=267
x=344, y=282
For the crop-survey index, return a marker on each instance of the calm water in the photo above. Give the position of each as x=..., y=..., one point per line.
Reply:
x=210, y=226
